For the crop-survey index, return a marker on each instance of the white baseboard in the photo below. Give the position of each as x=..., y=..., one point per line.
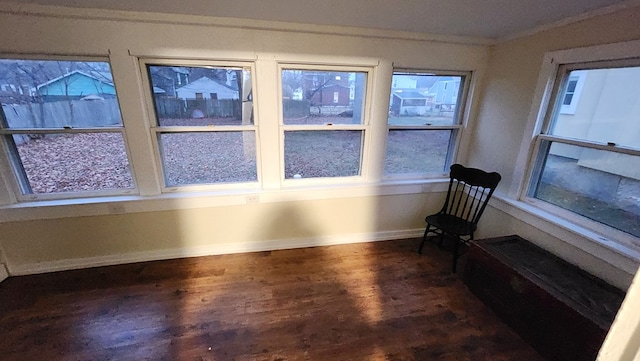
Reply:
x=218, y=249
x=3, y=272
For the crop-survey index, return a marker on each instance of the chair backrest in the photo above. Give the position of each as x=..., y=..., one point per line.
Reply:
x=469, y=192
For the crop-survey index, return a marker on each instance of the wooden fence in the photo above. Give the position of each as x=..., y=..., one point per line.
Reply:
x=187, y=108
x=74, y=113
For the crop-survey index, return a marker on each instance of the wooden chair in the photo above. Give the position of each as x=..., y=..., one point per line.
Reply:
x=469, y=192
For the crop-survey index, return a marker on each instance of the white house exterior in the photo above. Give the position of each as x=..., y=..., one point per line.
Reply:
x=604, y=107
x=205, y=88
x=445, y=90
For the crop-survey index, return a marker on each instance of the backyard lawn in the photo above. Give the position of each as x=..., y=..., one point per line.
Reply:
x=98, y=161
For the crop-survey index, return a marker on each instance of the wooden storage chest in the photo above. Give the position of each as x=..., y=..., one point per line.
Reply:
x=561, y=310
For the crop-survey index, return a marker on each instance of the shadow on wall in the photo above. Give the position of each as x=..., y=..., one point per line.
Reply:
x=285, y=221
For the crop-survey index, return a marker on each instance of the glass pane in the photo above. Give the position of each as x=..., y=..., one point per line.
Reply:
x=201, y=95
x=417, y=151
x=424, y=99
x=205, y=158
x=600, y=105
x=56, y=163
x=600, y=185
x=310, y=154
x=323, y=97
x=56, y=94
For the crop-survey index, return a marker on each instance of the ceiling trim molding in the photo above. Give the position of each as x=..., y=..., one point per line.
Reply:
x=573, y=19
x=249, y=24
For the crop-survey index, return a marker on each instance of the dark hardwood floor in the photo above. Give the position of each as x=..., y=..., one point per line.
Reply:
x=370, y=301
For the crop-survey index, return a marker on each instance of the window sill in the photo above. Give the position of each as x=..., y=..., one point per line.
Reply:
x=97, y=206
x=591, y=242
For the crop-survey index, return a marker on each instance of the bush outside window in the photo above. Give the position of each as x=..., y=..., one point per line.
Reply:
x=61, y=127
x=424, y=122
x=588, y=161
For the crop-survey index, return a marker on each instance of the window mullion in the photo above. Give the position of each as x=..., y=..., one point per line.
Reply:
x=593, y=145
x=267, y=110
x=61, y=130
x=426, y=127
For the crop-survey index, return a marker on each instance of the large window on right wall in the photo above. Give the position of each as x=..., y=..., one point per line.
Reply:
x=586, y=166
x=424, y=122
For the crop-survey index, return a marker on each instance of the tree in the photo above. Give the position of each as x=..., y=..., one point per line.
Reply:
x=311, y=83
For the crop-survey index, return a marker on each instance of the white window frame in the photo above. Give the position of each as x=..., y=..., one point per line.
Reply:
x=7, y=161
x=156, y=130
x=553, y=78
x=456, y=128
x=364, y=127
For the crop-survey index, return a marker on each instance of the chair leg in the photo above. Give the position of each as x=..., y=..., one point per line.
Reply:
x=424, y=238
x=441, y=239
x=456, y=248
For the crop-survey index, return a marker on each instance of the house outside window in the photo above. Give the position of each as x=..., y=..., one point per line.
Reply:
x=62, y=130
x=587, y=163
x=205, y=135
x=424, y=122
x=323, y=128
x=573, y=91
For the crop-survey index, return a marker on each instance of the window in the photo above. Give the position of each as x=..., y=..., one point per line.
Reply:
x=572, y=93
x=587, y=167
x=323, y=121
x=424, y=122
x=203, y=141
x=61, y=127
x=571, y=90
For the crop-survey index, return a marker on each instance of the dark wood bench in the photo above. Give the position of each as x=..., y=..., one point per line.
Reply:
x=561, y=310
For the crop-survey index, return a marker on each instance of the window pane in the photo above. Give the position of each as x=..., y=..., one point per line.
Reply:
x=211, y=157
x=417, y=151
x=322, y=97
x=424, y=99
x=567, y=99
x=56, y=94
x=600, y=185
x=310, y=154
x=197, y=96
x=607, y=107
x=56, y=163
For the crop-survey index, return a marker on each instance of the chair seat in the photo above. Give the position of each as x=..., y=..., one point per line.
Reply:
x=451, y=224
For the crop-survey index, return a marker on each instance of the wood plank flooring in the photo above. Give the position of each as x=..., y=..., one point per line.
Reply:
x=369, y=301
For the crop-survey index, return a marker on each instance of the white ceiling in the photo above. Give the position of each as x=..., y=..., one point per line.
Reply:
x=494, y=19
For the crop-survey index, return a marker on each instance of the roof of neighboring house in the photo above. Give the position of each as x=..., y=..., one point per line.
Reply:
x=334, y=85
x=96, y=78
x=204, y=84
x=410, y=95
x=180, y=70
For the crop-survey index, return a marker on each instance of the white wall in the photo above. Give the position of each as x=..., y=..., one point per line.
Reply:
x=503, y=128
x=3, y=272
x=60, y=235
x=151, y=226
